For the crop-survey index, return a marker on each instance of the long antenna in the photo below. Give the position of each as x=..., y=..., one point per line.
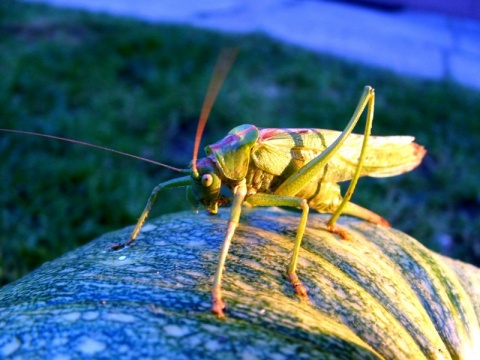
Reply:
x=224, y=62
x=97, y=147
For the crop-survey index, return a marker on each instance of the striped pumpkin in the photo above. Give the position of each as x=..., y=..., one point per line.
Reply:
x=381, y=295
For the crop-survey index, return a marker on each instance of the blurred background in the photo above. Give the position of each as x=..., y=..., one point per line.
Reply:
x=132, y=76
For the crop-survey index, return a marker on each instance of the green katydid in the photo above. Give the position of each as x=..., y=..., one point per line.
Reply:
x=287, y=167
x=283, y=167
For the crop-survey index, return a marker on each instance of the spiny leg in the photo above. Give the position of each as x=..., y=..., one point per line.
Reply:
x=239, y=193
x=291, y=201
x=368, y=127
x=297, y=181
x=183, y=181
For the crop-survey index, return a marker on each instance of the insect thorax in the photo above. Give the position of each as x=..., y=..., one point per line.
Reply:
x=259, y=181
x=321, y=195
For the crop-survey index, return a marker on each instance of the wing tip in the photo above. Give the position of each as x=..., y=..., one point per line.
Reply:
x=419, y=152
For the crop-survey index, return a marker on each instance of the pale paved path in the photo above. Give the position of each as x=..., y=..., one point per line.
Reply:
x=425, y=45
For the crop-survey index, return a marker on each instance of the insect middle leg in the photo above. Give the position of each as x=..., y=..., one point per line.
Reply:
x=262, y=199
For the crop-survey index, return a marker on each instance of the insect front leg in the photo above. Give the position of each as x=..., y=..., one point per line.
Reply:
x=239, y=193
x=262, y=199
x=183, y=181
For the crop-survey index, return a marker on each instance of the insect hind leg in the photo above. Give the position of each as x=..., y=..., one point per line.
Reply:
x=328, y=200
x=359, y=212
x=369, y=97
x=365, y=214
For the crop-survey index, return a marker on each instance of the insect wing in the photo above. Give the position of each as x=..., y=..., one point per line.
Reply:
x=278, y=149
x=386, y=156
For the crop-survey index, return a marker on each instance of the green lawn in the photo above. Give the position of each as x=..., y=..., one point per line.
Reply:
x=138, y=87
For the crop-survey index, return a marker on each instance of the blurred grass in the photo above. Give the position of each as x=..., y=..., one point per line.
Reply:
x=138, y=87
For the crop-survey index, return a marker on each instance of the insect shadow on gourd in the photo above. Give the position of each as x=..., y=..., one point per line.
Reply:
x=298, y=168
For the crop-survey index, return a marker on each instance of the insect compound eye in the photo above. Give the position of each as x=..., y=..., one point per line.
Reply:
x=207, y=180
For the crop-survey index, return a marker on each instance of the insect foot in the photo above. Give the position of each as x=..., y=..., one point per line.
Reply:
x=218, y=305
x=119, y=246
x=336, y=229
x=297, y=286
x=115, y=247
